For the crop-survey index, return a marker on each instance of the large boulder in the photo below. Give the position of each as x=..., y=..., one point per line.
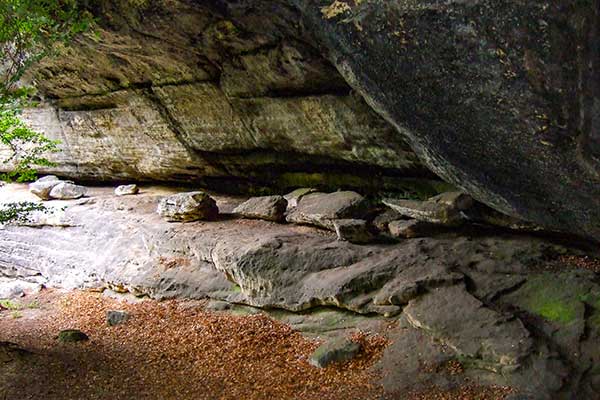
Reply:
x=188, y=207
x=43, y=186
x=497, y=97
x=444, y=209
x=270, y=208
x=67, y=191
x=321, y=209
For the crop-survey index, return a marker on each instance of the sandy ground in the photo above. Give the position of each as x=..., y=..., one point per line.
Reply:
x=178, y=350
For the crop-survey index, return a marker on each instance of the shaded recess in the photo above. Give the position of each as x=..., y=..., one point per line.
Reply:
x=225, y=94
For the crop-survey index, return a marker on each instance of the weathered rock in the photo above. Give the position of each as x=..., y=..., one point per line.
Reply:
x=353, y=230
x=444, y=209
x=251, y=104
x=11, y=288
x=480, y=334
x=483, y=214
x=218, y=306
x=382, y=220
x=470, y=292
x=321, y=209
x=188, y=207
x=42, y=188
x=495, y=97
x=294, y=197
x=335, y=351
x=72, y=336
x=408, y=229
x=127, y=190
x=48, y=178
x=271, y=102
x=114, y=318
x=67, y=191
x=270, y=208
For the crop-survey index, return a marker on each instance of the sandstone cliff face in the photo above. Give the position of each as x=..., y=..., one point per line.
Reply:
x=185, y=95
x=496, y=97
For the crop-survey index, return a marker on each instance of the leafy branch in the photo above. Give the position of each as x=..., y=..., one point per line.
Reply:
x=19, y=213
x=29, y=30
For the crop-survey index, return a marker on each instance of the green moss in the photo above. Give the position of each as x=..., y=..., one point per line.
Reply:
x=557, y=311
x=555, y=298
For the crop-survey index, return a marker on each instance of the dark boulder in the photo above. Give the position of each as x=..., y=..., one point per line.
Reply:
x=497, y=97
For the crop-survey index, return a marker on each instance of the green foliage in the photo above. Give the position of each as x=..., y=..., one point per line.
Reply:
x=10, y=305
x=29, y=29
x=16, y=306
x=19, y=212
x=27, y=147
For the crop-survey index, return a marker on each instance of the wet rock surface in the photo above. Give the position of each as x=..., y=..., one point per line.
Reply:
x=486, y=296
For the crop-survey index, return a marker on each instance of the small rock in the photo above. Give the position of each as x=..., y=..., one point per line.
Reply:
x=67, y=191
x=270, y=208
x=116, y=317
x=127, y=190
x=294, y=197
x=12, y=288
x=339, y=350
x=381, y=221
x=72, y=335
x=218, y=306
x=412, y=229
x=321, y=209
x=483, y=214
x=444, y=209
x=188, y=207
x=11, y=352
x=42, y=188
x=353, y=230
x=49, y=178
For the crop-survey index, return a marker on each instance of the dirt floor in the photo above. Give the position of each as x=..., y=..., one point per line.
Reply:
x=177, y=350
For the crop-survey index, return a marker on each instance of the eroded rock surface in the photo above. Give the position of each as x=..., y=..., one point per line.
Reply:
x=483, y=296
x=321, y=209
x=498, y=98
x=270, y=208
x=188, y=207
x=182, y=92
